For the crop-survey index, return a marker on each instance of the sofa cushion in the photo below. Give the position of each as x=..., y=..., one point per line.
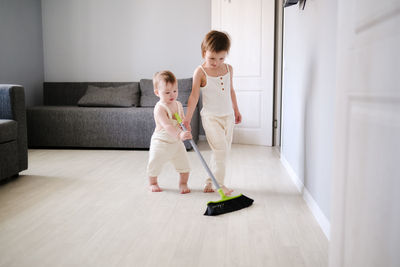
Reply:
x=69, y=93
x=72, y=126
x=147, y=96
x=8, y=130
x=149, y=99
x=122, y=96
x=185, y=88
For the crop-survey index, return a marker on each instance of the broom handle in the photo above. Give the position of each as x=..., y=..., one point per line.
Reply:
x=216, y=184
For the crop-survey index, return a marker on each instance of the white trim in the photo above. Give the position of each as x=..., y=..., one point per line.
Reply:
x=318, y=214
x=297, y=182
x=311, y=203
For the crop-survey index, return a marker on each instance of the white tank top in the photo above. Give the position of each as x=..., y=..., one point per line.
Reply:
x=162, y=134
x=217, y=95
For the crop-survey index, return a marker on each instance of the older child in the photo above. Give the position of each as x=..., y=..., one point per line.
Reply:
x=220, y=110
x=166, y=141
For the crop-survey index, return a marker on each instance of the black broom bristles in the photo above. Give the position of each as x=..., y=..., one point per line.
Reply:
x=225, y=206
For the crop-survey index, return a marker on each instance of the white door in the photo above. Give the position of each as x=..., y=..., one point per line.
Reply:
x=366, y=196
x=250, y=23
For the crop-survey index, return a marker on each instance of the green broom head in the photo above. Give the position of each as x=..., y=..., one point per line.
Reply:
x=227, y=204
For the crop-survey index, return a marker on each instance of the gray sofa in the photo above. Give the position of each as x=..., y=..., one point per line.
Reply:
x=60, y=122
x=13, y=139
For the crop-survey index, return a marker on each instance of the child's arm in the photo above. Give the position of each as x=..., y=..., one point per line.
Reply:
x=161, y=116
x=193, y=98
x=238, y=116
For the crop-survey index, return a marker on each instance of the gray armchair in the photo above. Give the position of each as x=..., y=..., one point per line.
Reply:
x=13, y=133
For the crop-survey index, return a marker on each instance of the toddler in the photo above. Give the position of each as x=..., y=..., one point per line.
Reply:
x=220, y=110
x=166, y=141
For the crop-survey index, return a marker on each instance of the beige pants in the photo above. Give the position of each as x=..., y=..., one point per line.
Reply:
x=164, y=149
x=219, y=132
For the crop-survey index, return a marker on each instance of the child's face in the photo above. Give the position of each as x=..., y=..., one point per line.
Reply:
x=215, y=59
x=167, y=92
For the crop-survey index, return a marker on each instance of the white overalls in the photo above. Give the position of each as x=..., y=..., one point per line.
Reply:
x=164, y=148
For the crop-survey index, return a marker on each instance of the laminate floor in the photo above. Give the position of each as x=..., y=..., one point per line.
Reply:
x=93, y=208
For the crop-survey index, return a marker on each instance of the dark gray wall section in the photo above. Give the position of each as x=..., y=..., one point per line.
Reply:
x=21, y=47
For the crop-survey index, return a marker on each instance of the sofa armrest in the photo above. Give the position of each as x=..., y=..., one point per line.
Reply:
x=12, y=107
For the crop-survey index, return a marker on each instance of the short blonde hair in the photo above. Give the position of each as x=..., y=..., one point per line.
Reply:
x=163, y=76
x=215, y=41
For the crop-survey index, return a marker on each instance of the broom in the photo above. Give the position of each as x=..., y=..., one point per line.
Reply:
x=225, y=204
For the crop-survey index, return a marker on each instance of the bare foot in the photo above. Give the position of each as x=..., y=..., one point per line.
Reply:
x=184, y=188
x=227, y=191
x=208, y=188
x=155, y=188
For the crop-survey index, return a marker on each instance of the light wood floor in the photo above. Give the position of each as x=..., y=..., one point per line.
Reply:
x=92, y=208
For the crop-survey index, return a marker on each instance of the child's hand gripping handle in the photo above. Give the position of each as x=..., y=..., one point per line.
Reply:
x=178, y=118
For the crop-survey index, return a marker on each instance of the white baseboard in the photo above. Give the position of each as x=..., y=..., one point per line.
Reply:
x=311, y=203
x=295, y=179
x=318, y=214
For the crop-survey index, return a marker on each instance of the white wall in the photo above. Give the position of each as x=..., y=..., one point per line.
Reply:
x=21, y=47
x=122, y=40
x=308, y=96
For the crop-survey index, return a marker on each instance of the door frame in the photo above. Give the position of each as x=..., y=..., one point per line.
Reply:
x=278, y=74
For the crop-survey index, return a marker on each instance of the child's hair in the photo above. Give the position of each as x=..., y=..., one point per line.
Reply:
x=165, y=76
x=215, y=41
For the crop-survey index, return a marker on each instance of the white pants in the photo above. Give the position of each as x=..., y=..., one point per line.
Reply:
x=162, y=150
x=219, y=132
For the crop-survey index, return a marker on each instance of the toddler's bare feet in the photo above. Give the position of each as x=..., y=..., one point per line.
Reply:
x=208, y=188
x=184, y=188
x=227, y=191
x=155, y=188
